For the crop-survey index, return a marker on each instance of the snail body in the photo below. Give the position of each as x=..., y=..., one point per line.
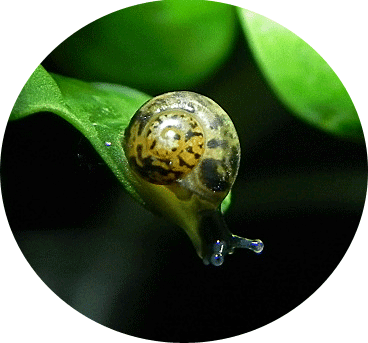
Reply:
x=184, y=154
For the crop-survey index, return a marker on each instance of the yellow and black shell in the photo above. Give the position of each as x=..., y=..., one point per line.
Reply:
x=186, y=138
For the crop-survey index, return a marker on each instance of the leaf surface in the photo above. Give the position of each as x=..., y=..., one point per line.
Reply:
x=300, y=77
x=100, y=111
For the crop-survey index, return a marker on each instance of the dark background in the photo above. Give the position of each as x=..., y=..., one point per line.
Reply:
x=299, y=189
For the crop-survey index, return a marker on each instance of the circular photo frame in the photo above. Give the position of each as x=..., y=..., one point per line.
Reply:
x=129, y=255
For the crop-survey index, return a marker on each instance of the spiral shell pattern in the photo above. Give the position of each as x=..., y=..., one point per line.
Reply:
x=187, y=138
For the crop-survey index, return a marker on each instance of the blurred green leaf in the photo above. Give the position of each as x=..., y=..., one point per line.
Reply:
x=100, y=111
x=300, y=77
x=157, y=46
x=226, y=203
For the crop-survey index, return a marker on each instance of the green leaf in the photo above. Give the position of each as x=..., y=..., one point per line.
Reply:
x=157, y=46
x=226, y=203
x=100, y=111
x=300, y=77
x=39, y=94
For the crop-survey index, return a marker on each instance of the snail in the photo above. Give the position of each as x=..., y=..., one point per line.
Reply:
x=184, y=154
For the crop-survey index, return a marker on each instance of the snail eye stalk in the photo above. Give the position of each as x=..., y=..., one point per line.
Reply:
x=218, y=241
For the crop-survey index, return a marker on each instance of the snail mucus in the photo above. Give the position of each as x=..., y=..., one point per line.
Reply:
x=184, y=155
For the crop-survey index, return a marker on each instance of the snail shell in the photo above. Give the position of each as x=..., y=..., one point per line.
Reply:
x=186, y=139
